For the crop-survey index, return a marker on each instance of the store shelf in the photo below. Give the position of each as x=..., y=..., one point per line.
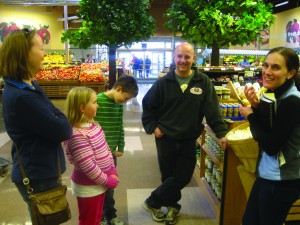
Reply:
x=229, y=209
x=212, y=157
x=213, y=201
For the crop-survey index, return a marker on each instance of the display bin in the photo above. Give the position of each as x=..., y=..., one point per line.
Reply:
x=245, y=149
x=60, y=88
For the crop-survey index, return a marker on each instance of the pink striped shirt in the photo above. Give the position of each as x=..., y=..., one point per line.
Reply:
x=88, y=151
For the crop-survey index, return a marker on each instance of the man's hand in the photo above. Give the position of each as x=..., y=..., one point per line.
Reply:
x=223, y=143
x=158, y=133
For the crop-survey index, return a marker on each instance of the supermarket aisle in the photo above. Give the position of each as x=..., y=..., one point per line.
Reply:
x=139, y=175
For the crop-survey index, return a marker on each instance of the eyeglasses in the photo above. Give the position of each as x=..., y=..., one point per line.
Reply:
x=26, y=32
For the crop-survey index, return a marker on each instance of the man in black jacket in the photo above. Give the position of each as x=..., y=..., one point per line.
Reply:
x=173, y=110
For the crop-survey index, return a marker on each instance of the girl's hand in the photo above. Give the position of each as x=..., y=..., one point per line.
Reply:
x=251, y=96
x=114, y=176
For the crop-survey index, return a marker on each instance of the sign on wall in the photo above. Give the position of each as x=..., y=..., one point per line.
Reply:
x=41, y=29
x=292, y=34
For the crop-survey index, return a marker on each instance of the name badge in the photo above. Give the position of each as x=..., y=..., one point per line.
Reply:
x=196, y=91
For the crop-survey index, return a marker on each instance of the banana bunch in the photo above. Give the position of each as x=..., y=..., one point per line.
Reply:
x=54, y=59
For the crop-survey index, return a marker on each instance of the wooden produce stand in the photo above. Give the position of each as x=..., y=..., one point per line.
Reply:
x=60, y=88
x=230, y=208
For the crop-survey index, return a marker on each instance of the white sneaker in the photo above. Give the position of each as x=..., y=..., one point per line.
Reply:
x=116, y=221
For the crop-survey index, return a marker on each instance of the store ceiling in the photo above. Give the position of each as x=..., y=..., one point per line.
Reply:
x=154, y=3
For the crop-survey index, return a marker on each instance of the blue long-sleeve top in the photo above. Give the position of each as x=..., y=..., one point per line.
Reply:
x=37, y=127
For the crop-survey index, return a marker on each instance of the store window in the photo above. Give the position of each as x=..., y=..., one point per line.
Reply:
x=158, y=49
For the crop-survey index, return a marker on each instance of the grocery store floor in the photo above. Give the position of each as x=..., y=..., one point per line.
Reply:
x=139, y=175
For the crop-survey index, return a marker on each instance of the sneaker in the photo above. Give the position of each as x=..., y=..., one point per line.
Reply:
x=172, y=215
x=157, y=214
x=103, y=222
x=116, y=221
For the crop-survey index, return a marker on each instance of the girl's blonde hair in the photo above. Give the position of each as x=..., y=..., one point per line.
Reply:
x=77, y=97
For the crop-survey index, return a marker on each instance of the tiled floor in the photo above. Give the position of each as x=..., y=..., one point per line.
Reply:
x=139, y=175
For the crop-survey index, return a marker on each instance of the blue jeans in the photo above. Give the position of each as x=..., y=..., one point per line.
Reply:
x=177, y=160
x=37, y=186
x=135, y=73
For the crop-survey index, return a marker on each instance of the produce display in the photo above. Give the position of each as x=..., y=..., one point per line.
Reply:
x=54, y=58
x=240, y=134
x=59, y=72
x=91, y=72
x=86, y=72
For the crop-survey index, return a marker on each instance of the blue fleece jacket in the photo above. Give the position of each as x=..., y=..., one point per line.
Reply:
x=37, y=127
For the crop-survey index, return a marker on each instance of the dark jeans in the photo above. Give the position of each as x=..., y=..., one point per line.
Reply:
x=177, y=160
x=37, y=186
x=270, y=201
x=109, y=210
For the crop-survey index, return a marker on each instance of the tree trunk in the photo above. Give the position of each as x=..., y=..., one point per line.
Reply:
x=112, y=66
x=215, y=54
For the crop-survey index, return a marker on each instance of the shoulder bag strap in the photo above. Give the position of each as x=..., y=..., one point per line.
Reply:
x=26, y=179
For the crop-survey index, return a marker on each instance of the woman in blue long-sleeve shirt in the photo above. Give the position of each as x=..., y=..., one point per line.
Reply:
x=277, y=185
x=32, y=122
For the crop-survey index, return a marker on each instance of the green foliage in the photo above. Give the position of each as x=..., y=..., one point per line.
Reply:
x=112, y=23
x=221, y=22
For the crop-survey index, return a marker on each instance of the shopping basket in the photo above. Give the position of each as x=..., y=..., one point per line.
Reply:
x=245, y=149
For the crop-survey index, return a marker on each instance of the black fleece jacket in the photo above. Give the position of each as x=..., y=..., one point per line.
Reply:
x=180, y=115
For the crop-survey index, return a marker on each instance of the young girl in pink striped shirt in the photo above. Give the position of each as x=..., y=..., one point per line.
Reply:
x=94, y=170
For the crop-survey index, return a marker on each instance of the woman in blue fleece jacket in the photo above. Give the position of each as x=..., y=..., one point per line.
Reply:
x=32, y=122
x=277, y=185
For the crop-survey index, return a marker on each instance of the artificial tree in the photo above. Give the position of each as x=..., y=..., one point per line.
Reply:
x=114, y=24
x=217, y=23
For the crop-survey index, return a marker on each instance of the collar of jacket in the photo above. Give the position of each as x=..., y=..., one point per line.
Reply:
x=19, y=84
x=283, y=88
x=197, y=75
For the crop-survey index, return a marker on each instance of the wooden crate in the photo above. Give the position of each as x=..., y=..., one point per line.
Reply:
x=60, y=89
x=294, y=213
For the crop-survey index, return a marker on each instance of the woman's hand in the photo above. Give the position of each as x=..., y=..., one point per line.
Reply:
x=245, y=111
x=251, y=96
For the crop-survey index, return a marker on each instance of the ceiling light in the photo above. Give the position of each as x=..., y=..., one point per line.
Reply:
x=69, y=18
x=282, y=3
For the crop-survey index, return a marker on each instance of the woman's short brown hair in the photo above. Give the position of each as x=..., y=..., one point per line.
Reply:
x=14, y=54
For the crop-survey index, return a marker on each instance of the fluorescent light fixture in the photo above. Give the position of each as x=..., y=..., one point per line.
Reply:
x=77, y=21
x=282, y=3
x=69, y=18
